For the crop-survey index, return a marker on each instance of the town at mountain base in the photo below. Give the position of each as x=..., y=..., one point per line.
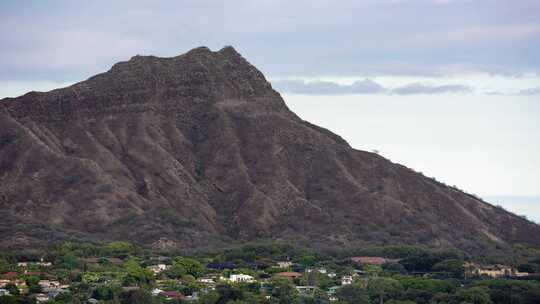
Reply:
x=198, y=151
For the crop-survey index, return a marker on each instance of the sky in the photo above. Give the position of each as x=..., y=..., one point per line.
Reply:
x=450, y=88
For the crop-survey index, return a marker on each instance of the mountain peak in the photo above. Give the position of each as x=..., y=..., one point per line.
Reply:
x=143, y=80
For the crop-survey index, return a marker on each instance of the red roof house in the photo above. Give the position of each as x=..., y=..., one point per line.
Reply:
x=172, y=295
x=366, y=260
x=10, y=275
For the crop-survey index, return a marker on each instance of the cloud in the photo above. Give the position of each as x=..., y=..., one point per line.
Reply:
x=418, y=88
x=528, y=92
x=522, y=92
x=68, y=41
x=328, y=88
x=365, y=86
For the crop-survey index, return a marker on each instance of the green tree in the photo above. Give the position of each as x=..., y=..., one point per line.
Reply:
x=136, y=275
x=4, y=266
x=228, y=293
x=119, y=249
x=353, y=294
x=211, y=297
x=307, y=260
x=69, y=260
x=282, y=290
x=183, y=266
x=33, y=284
x=12, y=288
x=474, y=295
x=106, y=292
x=392, y=267
x=382, y=288
x=140, y=296
x=453, y=266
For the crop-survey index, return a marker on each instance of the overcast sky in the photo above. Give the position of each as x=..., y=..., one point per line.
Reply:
x=449, y=88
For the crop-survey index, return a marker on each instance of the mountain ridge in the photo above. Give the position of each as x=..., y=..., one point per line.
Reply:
x=198, y=149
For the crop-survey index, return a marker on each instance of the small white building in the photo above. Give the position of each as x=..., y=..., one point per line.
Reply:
x=284, y=264
x=206, y=280
x=41, y=297
x=4, y=292
x=346, y=280
x=241, y=278
x=156, y=291
x=159, y=268
x=49, y=284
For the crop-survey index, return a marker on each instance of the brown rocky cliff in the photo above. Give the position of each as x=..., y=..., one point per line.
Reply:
x=199, y=149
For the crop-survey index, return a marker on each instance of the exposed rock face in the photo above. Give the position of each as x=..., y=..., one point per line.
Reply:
x=199, y=149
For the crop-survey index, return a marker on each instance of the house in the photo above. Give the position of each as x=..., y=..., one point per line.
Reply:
x=156, y=291
x=48, y=284
x=130, y=288
x=157, y=269
x=10, y=275
x=206, y=280
x=4, y=282
x=21, y=284
x=291, y=275
x=331, y=274
x=92, y=301
x=92, y=260
x=284, y=264
x=116, y=261
x=319, y=270
x=193, y=297
x=241, y=278
x=172, y=295
x=53, y=292
x=306, y=290
x=38, y=263
x=367, y=260
x=346, y=280
x=41, y=297
x=4, y=292
x=332, y=290
x=518, y=274
x=492, y=271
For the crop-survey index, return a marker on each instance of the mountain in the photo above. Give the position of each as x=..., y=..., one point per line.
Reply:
x=199, y=150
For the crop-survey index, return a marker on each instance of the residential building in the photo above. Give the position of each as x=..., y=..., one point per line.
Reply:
x=492, y=271
x=291, y=275
x=41, y=297
x=306, y=290
x=159, y=268
x=241, y=278
x=346, y=280
x=4, y=292
x=284, y=264
x=172, y=295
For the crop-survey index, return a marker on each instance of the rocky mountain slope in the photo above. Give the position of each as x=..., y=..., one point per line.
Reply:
x=199, y=149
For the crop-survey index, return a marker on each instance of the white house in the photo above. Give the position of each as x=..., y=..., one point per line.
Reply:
x=206, y=280
x=4, y=292
x=41, y=297
x=284, y=264
x=241, y=278
x=346, y=280
x=48, y=284
x=156, y=291
x=156, y=269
